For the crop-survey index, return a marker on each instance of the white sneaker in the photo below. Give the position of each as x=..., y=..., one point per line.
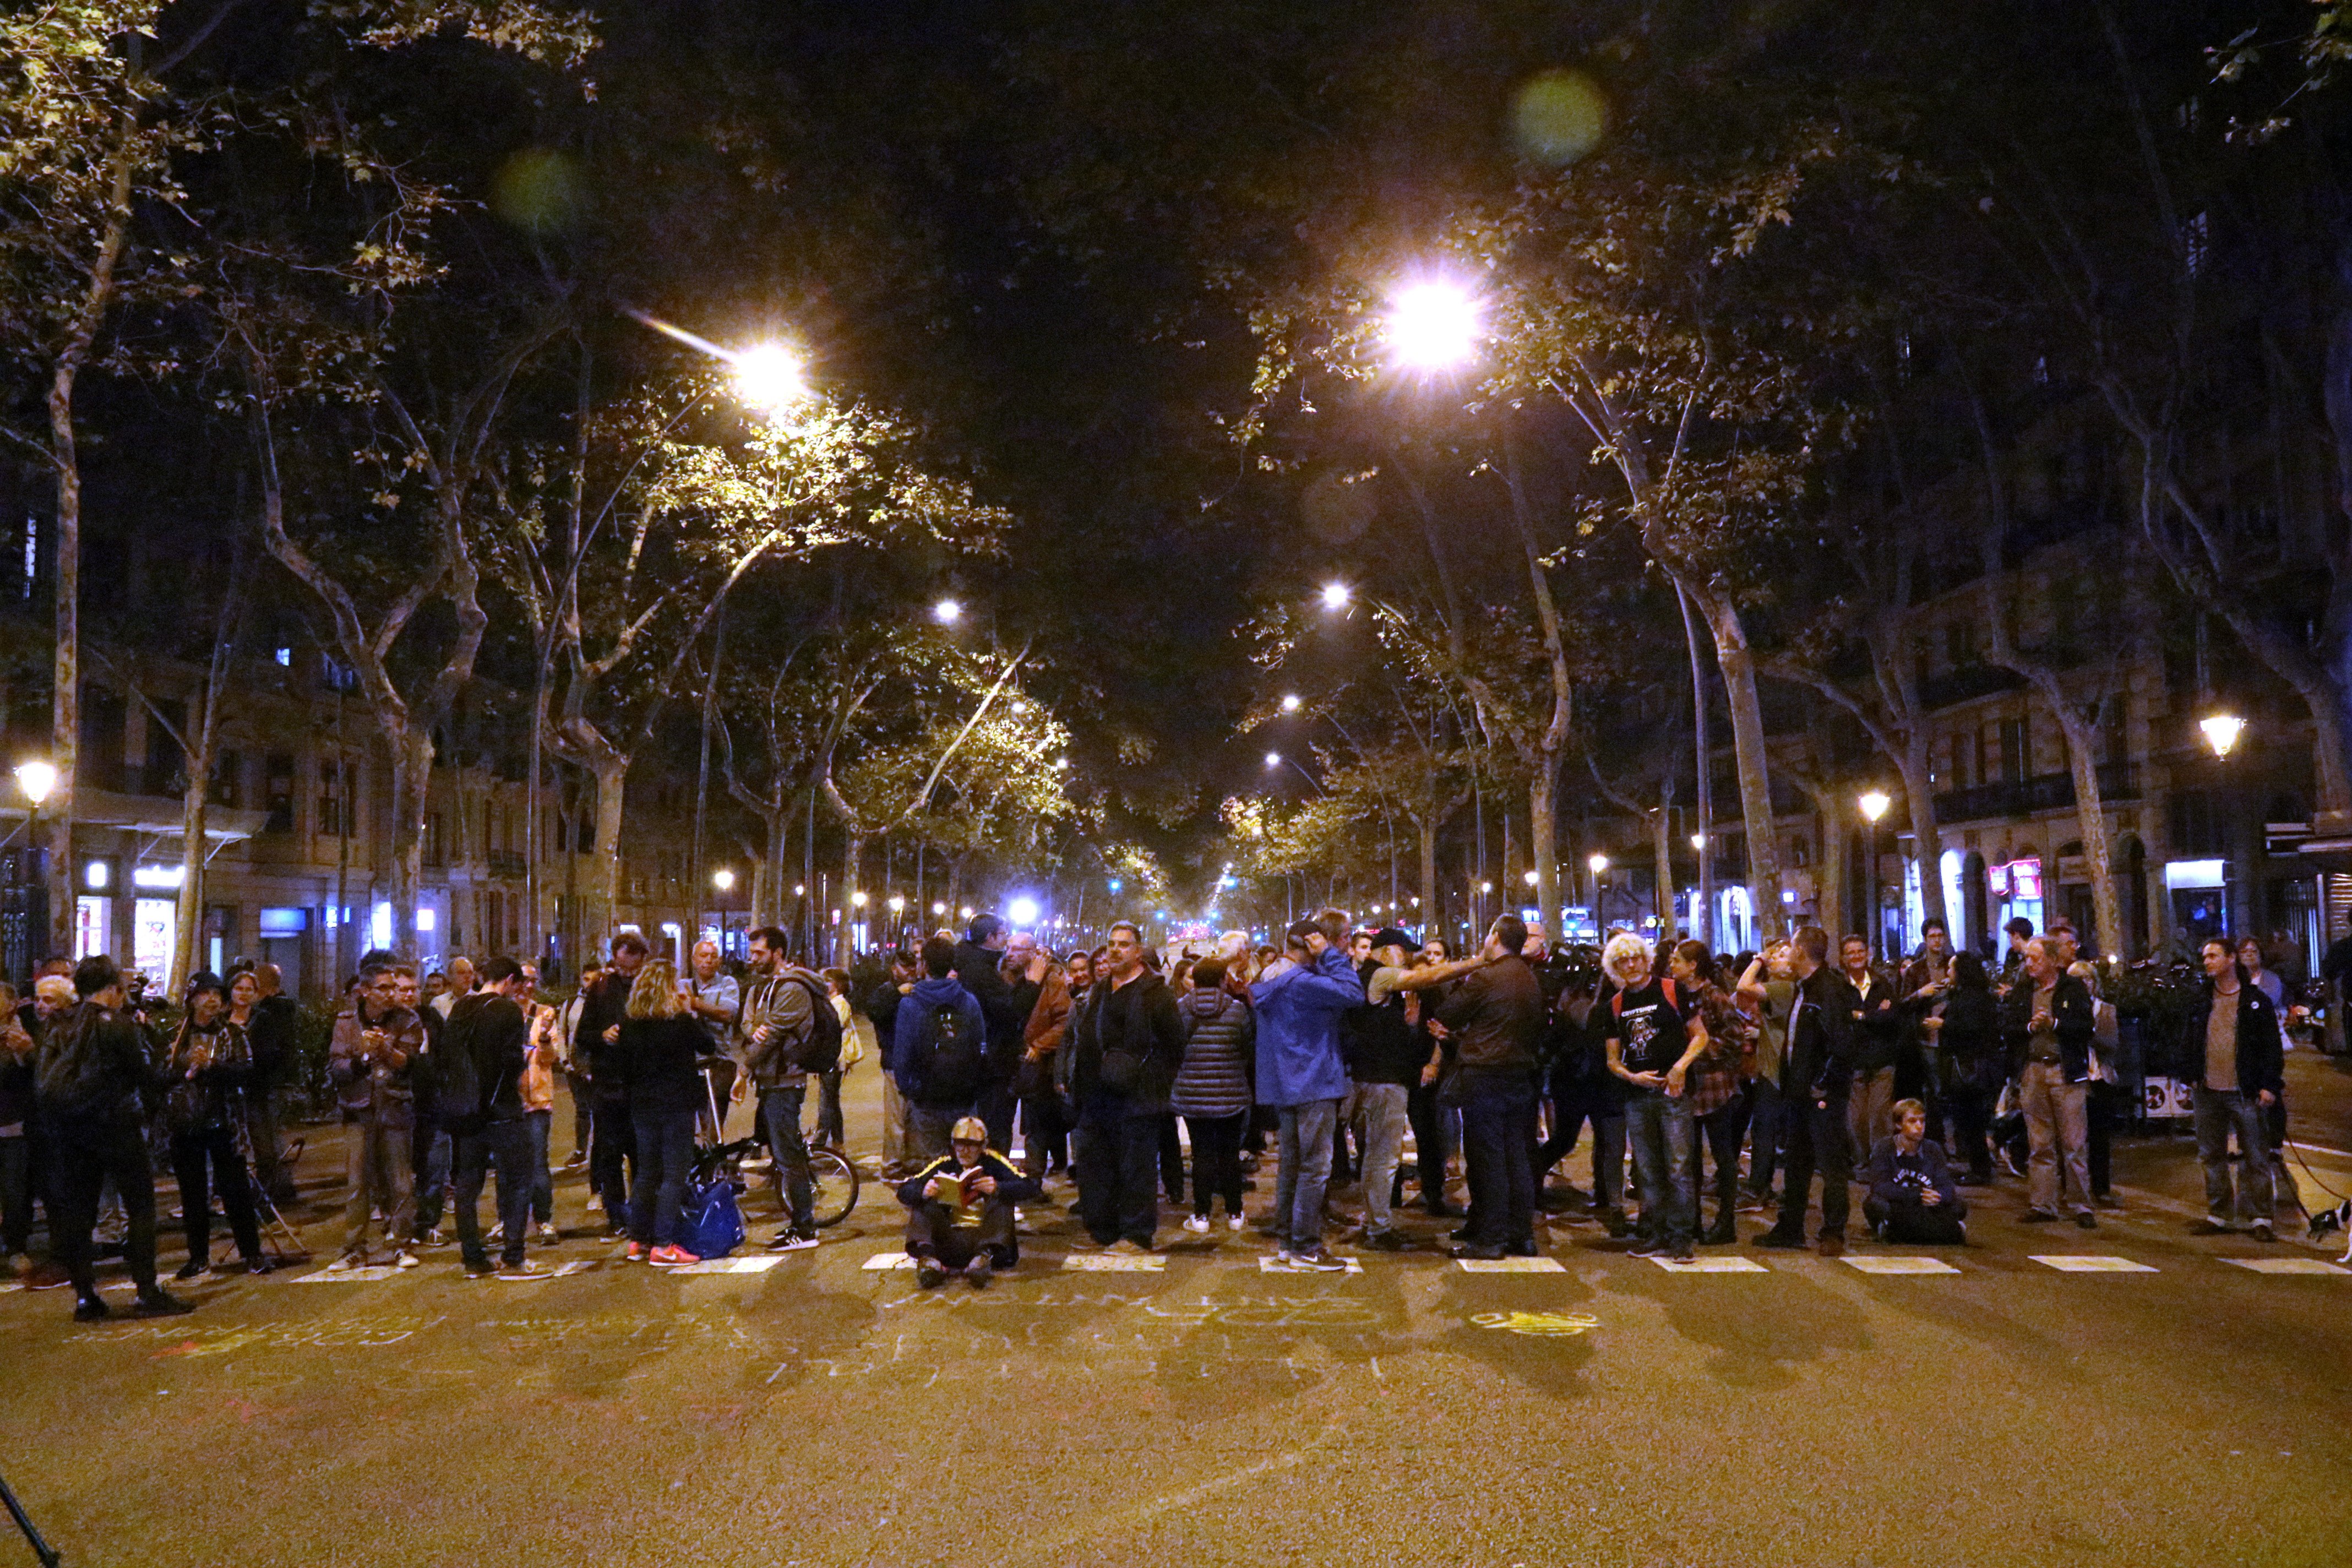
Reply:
x=1197, y=1224
x=1233, y=1221
x=403, y=1258
x=547, y=1236
x=497, y=1233
x=595, y=1202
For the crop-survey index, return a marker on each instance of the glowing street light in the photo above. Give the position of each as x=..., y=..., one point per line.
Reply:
x=1698, y=840
x=770, y=378
x=898, y=905
x=1024, y=912
x=857, y=901
x=1273, y=760
x=946, y=612
x=2221, y=732
x=1485, y=887
x=1533, y=877
x=1433, y=326
x=939, y=909
x=967, y=911
x=799, y=891
x=1873, y=803
x=1290, y=703
x=37, y=780
x=1598, y=861
x=723, y=879
x=1337, y=595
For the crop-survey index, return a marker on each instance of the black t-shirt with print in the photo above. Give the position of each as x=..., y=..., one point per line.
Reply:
x=1649, y=1028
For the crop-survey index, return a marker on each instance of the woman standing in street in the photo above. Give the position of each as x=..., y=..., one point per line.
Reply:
x=659, y=1053
x=1213, y=1090
x=210, y=1062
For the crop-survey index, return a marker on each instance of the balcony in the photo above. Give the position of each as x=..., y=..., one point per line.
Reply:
x=2043, y=792
x=506, y=862
x=1966, y=683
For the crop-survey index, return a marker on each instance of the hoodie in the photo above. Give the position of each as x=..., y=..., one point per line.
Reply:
x=1298, y=1018
x=911, y=1037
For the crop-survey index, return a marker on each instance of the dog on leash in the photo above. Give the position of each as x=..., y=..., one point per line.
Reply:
x=2338, y=1218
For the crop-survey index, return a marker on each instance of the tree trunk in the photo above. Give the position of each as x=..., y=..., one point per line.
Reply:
x=412, y=776
x=1734, y=657
x=1662, y=844
x=1919, y=792
x=1831, y=900
x=611, y=769
x=1543, y=830
x=1431, y=917
x=192, y=871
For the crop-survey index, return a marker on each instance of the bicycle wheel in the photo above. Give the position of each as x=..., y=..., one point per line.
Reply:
x=835, y=1182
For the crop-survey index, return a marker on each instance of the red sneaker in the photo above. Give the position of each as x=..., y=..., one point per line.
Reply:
x=673, y=1257
x=638, y=1252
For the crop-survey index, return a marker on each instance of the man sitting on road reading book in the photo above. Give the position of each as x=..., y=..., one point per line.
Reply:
x=959, y=1209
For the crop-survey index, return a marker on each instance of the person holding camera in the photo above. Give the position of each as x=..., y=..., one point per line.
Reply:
x=371, y=1060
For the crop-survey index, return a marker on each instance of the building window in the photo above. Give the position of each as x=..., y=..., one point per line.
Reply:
x=278, y=793
x=2016, y=765
x=228, y=776
x=331, y=796
x=2196, y=829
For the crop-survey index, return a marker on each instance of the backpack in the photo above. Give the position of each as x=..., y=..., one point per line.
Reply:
x=71, y=1080
x=951, y=1060
x=457, y=1077
x=821, y=1052
x=714, y=1220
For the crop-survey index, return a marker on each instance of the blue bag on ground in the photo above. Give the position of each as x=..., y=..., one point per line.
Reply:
x=714, y=1222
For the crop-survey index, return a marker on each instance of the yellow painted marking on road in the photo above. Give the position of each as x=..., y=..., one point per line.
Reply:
x=1900, y=1266
x=1114, y=1263
x=1547, y=1324
x=1510, y=1266
x=2089, y=1263
x=2285, y=1266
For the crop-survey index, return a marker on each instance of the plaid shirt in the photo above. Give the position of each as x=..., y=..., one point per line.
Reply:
x=1714, y=1078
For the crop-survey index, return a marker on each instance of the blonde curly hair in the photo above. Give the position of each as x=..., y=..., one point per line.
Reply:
x=1623, y=948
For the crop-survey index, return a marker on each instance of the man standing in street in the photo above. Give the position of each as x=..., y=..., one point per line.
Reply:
x=484, y=1048
x=2047, y=1023
x=938, y=1050
x=980, y=967
x=1495, y=1018
x=89, y=1071
x=1127, y=1042
x=2237, y=1064
x=462, y=981
x=711, y=995
x=1815, y=1080
x=594, y=1041
x=779, y=1019
x=272, y=1035
x=1385, y=1052
x=1302, y=1075
x=1878, y=1024
x=371, y=1061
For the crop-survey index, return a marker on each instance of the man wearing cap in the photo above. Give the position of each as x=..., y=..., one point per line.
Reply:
x=1385, y=1054
x=959, y=1209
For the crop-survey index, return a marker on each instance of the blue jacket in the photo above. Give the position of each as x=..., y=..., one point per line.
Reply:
x=1298, y=1013
x=912, y=1028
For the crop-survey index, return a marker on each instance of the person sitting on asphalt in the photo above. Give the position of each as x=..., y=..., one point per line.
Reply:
x=1913, y=1199
x=959, y=1210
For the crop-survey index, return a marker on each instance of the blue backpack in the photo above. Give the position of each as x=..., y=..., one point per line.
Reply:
x=714, y=1222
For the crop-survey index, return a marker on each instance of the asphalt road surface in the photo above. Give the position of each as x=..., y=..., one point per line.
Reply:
x=1203, y=1412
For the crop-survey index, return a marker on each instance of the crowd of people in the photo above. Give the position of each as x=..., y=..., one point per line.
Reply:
x=1129, y=1074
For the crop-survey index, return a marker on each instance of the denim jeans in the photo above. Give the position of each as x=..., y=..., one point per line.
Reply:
x=377, y=1170
x=508, y=1143
x=2220, y=1113
x=612, y=1141
x=1497, y=1112
x=1305, y=1152
x=543, y=1181
x=1766, y=1115
x=1664, y=1164
x=665, y=1157
x=435, y=1160
x=1377, y=1110
x=789, y=1151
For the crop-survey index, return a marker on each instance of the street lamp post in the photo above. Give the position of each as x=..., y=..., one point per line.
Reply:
x=1873, y=803
x=1599, y=863
x=37, y=780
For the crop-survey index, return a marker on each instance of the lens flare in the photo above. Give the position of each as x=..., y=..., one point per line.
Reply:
x=1558, y=117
